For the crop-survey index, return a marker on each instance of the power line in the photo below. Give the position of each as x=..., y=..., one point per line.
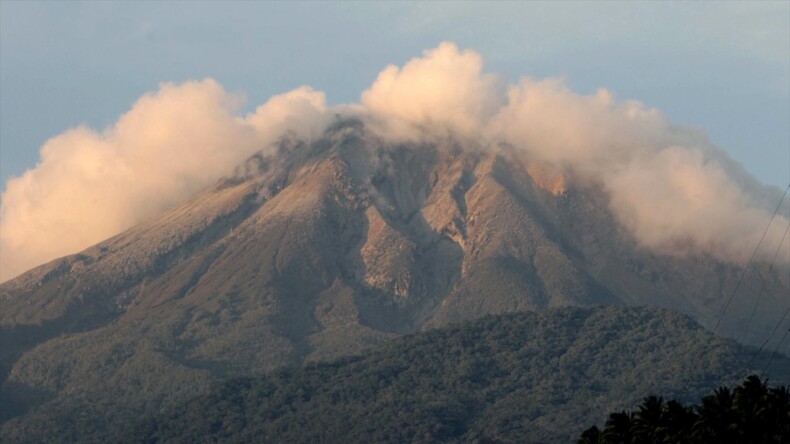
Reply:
x=771, y=359
x=740, y=281
x=769, y=336
x=762, y=287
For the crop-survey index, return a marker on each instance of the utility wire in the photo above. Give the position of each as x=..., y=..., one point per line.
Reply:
x=762, y=287
x=769, y=336
x=740, y=281
x=771, y=359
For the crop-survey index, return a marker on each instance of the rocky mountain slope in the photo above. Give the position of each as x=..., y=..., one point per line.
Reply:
x=328, y=247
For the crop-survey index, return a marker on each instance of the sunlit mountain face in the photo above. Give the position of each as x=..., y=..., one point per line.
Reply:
x=304, y=233
x=325, y=248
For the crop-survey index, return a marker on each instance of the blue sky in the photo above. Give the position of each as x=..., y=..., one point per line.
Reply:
x=723, y=67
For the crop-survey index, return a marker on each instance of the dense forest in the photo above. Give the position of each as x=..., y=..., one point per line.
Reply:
x=526, y=377
x=752, y=413
x=522, y=377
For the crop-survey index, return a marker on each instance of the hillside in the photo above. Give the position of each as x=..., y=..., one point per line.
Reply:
x=524, y=377
x=325, y=248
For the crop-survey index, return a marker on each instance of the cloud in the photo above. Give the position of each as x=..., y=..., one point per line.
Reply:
x=444, y=90
x=680, y=201
x=672, y=190
x=667, y=185
x=90, y=185
x=302, y=111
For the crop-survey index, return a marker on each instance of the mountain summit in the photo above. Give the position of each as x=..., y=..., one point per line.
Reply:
x=326, y=247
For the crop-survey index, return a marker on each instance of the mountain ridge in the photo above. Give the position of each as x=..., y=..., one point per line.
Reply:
x=324, y=248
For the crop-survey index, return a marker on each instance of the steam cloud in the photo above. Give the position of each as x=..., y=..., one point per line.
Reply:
x=673, y=190
x=91, y=185
x=444, y=91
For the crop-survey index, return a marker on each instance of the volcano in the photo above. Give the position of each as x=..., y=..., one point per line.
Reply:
x=325, y=247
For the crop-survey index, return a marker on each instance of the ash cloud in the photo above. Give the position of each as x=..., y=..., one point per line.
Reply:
x=667, y=185
x=673, y=190
x=89, y=185
x=444, y=92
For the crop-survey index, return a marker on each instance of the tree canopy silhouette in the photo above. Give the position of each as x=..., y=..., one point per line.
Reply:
x=751, y=413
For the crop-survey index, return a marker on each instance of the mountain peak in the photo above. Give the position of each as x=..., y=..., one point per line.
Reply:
x=325, y=247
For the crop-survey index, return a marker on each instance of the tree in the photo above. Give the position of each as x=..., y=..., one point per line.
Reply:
x=649, y=422
x=750, y=414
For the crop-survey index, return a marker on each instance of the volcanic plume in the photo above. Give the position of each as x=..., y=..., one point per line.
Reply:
x=673, y=191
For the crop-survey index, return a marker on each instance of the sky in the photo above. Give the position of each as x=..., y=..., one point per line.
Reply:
x=723, y=67
x=112, y=112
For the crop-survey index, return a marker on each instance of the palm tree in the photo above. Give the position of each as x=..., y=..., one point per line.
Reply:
x=649, y=422
x=778, y=414
x=750, y=404
x=679, y=421
x=750, y=414
x=717, y=420
x=618, y=428
x=590, y=436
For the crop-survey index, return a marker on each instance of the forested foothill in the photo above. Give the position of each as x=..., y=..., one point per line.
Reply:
x=524, y=377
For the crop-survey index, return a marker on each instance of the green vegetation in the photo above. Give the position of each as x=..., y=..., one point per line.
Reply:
x=752, y=413
x=527, y=377
x=521, y=377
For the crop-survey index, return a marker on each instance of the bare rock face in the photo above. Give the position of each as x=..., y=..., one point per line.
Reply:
x=326, y=248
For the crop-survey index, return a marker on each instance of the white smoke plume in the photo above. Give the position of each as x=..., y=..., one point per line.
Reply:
x=90, y=185
x=444, y=91
x=672, y=190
